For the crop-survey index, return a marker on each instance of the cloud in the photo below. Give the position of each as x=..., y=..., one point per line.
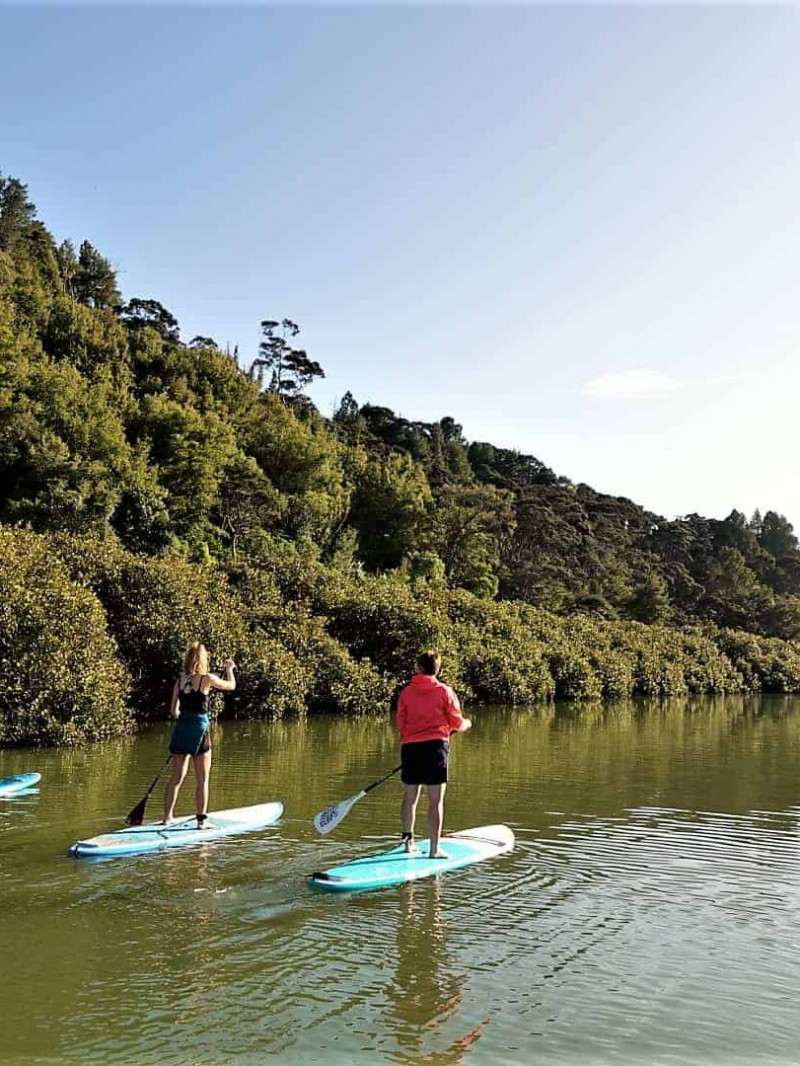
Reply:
x=631, y=383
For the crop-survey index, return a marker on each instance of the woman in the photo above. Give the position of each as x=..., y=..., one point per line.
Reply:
x=190, y=737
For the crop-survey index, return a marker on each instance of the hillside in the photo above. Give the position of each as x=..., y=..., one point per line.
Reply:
x=128, y=454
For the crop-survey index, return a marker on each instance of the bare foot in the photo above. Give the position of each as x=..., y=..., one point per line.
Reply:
x=202, y=821
x=411, y=847
x=439, y=855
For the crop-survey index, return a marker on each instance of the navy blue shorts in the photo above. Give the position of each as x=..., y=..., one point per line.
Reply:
x=425, y=762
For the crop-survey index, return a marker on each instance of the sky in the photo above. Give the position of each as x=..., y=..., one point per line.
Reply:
x=576, y=230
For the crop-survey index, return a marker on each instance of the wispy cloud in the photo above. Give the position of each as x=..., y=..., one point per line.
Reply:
x=631, y=383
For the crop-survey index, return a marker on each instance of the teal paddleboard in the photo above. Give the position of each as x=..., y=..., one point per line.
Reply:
x=183, y=832
x=10, y=786
x=395, y=867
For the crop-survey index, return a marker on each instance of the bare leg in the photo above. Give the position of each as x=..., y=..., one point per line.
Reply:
x=202, y=771
x=180, y=764
x=435, y=818
x=409, y=813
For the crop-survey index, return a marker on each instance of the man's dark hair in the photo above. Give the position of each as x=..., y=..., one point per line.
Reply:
x=429, y=663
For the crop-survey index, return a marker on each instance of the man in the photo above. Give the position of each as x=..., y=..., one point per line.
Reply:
x=427, y=713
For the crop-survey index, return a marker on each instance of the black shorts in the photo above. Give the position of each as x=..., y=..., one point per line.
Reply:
x=425, y=762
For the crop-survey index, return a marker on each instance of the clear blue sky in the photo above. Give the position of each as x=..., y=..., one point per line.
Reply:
x=576, y=230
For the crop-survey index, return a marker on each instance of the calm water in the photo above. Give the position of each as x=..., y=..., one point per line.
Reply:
x=650, y=912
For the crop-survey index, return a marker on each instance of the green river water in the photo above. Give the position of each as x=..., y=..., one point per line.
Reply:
x=649, y=914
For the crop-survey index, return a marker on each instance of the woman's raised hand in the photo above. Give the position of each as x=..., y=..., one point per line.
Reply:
x=229, y=665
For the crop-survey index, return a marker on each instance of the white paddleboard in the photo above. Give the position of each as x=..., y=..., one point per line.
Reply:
x=183, y=832
x=396, y=866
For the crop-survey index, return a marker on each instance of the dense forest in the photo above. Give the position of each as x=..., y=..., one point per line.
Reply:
x=156, y=490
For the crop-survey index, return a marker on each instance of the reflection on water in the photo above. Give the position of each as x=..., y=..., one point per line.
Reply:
x=648, y=914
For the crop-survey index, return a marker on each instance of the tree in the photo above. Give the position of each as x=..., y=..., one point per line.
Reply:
x=451, y=430
x=347, y=410
x=63, y=450
x=650, y=601
x=141, y=314
x=390, y=504
x=68, y=268
x=247, y=501
x=302, y=459
x=202, y=342
x=507, y=468
x=95, y=280
x=291, y=368
x=192, y=450
x=468, y=525
x=777, y=535
x=734, y=597
x=16, y=212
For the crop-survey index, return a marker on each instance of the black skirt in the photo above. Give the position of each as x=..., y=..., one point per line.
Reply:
x=425, y=762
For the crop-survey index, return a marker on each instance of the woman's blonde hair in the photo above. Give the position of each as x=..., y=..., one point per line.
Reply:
x=195, y=661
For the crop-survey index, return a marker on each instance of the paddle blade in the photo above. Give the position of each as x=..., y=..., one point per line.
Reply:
x=328, y=819
x=136, y=816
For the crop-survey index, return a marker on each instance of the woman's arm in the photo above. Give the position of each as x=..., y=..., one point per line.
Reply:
x=173, y=706
x=228, y=683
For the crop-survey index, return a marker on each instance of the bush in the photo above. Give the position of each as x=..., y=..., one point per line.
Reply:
x=60, y=680
x=765, y=664
x=310, y=638
x=272, y=682
x=155, y=607
x=382, y=619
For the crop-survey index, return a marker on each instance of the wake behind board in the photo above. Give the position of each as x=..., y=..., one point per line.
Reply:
x=183, y=832
x=396, y=867
x=10, y=786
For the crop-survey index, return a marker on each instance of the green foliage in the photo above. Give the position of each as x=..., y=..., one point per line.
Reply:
x=155, y=607
x=139, y=314
x=60, y=679
x=63, y=447
x=389, y=508
x=325, y=554
x=468, y=526
x=764, y=665
x=302, y=459
x=290, y=369
x=272, y=682
x=650, y=600
x=385, y=621
x=95, y=281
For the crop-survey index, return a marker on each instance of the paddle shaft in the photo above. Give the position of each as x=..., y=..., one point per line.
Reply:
x=380, y=780
x=149, y=792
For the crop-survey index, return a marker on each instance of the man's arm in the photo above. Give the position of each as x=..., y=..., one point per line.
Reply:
x=400, y=714
x=455, y=719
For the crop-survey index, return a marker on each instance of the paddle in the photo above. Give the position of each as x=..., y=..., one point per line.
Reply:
x=136, y=816
x=328, y=819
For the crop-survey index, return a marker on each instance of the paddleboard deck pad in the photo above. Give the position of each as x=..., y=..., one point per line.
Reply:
x=396, y=866
x=183, y=832
x=10, y=786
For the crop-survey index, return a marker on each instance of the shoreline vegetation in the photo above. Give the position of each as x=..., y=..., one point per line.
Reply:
x=155, y=491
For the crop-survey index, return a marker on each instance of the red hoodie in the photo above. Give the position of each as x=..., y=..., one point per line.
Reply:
x=427, y=710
